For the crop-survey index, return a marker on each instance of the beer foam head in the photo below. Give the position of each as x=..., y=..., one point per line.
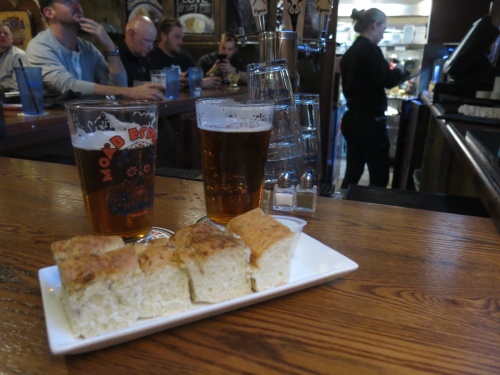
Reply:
x=116, y=132
x=93, y=129
x=230, y=115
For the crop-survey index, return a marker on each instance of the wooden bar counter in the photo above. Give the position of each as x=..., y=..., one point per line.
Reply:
x=21, y=133
x=425, y=299
x=452, y=164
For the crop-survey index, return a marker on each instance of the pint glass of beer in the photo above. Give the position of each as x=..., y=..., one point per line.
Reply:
x=114, y=143
x=234, y=146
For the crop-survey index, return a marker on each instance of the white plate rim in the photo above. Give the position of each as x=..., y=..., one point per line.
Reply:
x=314, y=263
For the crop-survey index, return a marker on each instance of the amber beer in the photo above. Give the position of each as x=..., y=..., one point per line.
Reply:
x=115, y=151
x=118, y=193
x=233, y=171
x=234, y=147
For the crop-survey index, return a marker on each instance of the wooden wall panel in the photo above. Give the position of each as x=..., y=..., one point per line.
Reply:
x=450, y=20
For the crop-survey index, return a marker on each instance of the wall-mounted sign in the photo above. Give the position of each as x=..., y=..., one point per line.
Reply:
x=324, y=7
x=196, y=16
x=259, y=7
x=20, y=25
x=149, y=8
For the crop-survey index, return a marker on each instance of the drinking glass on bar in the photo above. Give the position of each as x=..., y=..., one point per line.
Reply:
x=30, y=83
x=234, y=78
x=234, y=146
x=172, y=75
x=115, y=150
x=195, y=77
x=159, y=76
x=307, y=106
x=269, y=80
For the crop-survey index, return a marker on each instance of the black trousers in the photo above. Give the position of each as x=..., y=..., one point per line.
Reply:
x=367, y=143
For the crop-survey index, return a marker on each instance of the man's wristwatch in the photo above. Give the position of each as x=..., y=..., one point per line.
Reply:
x=116, y=52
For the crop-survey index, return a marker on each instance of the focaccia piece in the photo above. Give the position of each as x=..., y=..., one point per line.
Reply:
x=166, y=282
x=84, y=245
x=101, y=292
x=217, y=263
x=271, y=246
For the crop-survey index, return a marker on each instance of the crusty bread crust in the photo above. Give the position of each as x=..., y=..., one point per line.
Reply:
x=158, y=255
x=81, y=271
x=271, y=245
x=217, y=263
x=165, y=283
x=100, y=292
x=194, y=233
x=83, y=245
x=259, y=231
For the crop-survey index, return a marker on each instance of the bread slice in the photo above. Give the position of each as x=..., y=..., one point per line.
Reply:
x=166, y=282
x=84, y=245
x=217, y=263
x=271, y=246
x=101, y=292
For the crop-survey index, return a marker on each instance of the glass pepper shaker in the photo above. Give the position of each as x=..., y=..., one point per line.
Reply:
x=306, y=193
x=284, y=193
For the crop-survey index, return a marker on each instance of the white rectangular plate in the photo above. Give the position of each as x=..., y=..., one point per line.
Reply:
x=313, y=264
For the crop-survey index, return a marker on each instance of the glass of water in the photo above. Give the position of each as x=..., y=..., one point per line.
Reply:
x=307, y=107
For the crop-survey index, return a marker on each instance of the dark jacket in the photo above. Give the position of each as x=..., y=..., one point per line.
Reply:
x=160, y=60
x=137, y=68
x=208, y=60
x=365, y=75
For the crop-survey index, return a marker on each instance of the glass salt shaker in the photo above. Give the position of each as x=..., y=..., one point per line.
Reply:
x=284, y=193
x=306, y=193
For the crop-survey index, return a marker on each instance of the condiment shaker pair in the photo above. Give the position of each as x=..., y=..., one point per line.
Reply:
x=302, y=198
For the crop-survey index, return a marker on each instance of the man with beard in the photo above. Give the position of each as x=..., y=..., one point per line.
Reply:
x=70, y=63
x=212, y=65
x=9, y=59
x=169, y=52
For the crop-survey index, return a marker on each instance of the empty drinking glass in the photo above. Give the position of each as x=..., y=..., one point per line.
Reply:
x=172, y=79
x=270, y=81
x=307, y=106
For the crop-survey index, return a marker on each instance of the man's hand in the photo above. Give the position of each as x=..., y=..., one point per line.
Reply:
x=225, y=67
x=148, y=91
x=183, y=82
x=211, y=82
x=96, y=29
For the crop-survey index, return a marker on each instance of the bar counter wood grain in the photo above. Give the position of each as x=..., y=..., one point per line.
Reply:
x=425, y=299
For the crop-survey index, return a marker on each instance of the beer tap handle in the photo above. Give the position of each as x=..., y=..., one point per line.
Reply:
x=243, y=37
x=239, y=23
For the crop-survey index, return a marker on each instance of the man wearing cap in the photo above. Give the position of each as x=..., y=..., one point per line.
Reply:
x=72, y=63
x=9, y=59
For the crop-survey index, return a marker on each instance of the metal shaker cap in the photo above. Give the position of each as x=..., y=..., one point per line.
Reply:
x=307, y=180
x=285, y=180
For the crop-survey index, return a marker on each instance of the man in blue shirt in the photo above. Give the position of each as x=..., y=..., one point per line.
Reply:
x=69, y=62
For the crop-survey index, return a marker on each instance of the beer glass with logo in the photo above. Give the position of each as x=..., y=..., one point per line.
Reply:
x=115, y=150
x=234, y=146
